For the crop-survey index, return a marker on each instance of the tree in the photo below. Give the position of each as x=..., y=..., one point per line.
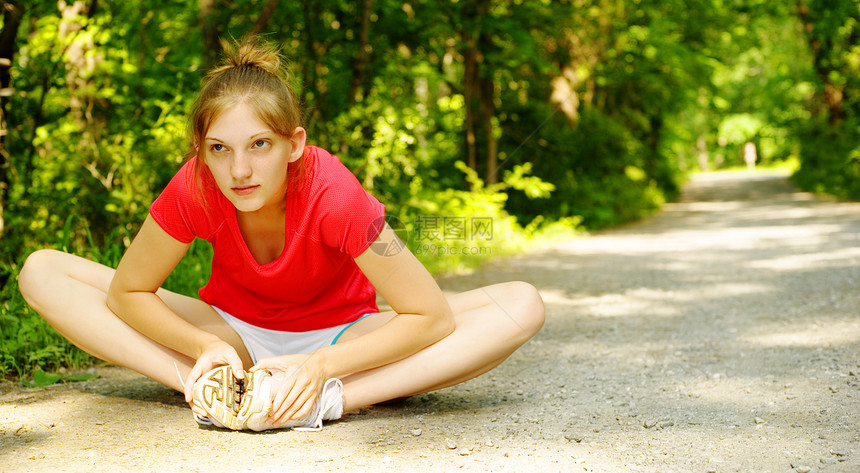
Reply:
x=830, y=156
x=12, y=15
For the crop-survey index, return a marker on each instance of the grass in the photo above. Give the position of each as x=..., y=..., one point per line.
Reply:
x=28, y=343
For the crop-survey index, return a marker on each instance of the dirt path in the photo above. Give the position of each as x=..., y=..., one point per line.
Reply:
x=721, y=335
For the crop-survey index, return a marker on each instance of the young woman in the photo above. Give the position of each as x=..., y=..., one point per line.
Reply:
x=296, y=268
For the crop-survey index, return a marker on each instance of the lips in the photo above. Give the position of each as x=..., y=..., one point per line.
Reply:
x=244, y=190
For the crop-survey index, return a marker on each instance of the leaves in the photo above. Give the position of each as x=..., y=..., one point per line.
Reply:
x=42, y=379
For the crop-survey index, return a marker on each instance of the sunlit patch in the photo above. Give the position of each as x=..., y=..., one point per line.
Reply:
x=632, y=302
x=723, y=290
x=832, y=333
x=556, y=297
x=708, y=240
x=808, y=261
x=706, y=206
x=649, y=301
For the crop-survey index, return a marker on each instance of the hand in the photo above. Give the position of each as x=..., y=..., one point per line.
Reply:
x=215, y=354
x=304, y=380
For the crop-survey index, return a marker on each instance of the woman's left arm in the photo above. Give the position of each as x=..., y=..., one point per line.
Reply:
x=423, y=313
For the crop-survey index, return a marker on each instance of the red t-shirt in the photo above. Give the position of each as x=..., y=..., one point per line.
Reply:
x=315, y=282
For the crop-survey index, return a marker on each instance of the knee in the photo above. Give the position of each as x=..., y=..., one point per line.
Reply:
x=31, y=278
x=529, y=307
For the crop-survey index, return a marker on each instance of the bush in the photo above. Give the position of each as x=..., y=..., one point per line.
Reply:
x=603, y=176
x=830, y=159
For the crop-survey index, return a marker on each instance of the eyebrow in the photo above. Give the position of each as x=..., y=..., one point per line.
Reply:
x=252, y=138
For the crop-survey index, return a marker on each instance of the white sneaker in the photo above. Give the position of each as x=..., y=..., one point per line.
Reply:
x=328, y=406
x=256, y=403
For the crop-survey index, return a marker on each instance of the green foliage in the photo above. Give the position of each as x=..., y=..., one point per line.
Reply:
x=41, y=379
x=600, y=176
x=831, y=160
x=453, y=230
x=828, y=148
x=193, y=270
x=740, y=128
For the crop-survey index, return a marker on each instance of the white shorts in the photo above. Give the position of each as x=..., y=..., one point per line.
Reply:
x=264, y=343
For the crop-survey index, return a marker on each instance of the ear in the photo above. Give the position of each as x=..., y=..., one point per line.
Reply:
x=197, y=152
x=297, y=141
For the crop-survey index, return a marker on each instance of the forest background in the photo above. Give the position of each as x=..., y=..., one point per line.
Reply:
x=482, y=124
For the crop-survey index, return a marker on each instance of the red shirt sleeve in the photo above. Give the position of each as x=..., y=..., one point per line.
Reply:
x=176, y=210
x=350, y=218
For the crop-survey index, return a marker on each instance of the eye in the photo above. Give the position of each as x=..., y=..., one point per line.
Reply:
x=217, y=147
x=261, y=143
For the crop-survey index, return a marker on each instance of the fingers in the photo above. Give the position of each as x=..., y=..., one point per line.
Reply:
x=216, y=354
x=274, y=363
x=301, y=386
x=193, y=375
x=303, y=409
x=235, y=364
x=294, y=400
x=283, y=400
x=197, y=410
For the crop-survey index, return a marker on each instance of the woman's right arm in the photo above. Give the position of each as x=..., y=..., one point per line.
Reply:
x=132, y=295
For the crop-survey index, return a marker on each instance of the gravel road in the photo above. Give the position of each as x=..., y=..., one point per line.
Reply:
x=719, y=335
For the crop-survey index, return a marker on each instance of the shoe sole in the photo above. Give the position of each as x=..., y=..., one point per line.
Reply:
x=220, y=395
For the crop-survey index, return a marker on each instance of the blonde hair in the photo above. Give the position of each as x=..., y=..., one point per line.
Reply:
x=250, y=73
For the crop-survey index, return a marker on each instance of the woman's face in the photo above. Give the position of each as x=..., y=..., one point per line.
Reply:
x=248, y=160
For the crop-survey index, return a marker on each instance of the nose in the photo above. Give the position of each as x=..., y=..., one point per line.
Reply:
x=240, y=167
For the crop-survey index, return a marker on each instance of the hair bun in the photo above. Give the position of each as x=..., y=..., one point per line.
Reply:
x=250, y=52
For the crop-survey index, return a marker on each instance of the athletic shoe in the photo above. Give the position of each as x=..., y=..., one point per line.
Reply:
x=328, y=405
x=256, y=404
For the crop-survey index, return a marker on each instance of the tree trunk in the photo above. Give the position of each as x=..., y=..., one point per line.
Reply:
x=12, y=15
x=487, y=89
x=359, y=65
x=470, y=96
x=478, y=92
x=209, y=29
x=311, y=74
x=832, y=96
x=360, y=61
x=702, y=153
x=265, y=14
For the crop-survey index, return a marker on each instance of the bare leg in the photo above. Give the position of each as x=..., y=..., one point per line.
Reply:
x=70, y=293
x=492, y=322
